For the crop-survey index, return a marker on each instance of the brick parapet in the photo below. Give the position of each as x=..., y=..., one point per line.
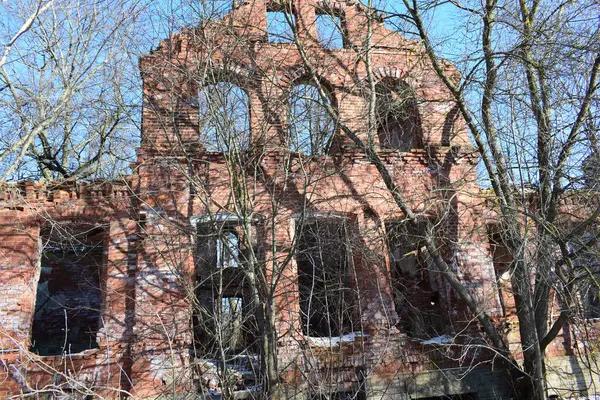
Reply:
x=28, y=193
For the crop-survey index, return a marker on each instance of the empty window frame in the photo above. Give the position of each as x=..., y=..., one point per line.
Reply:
x=311, y=127
x=414, y=285
x=587, y=272
x=228, y=249
x=223, y=314
x=281, y=24
x=222, y=320
x=223, y=242
x=397, y=115
x=224, y=117
x=502, y=260
x=331, y=28
x=219, y=246
x=324, y=262
x=67, y=308
x=590, y=298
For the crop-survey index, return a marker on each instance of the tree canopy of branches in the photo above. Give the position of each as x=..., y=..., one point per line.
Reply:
x=529, y=95
x=65, y=88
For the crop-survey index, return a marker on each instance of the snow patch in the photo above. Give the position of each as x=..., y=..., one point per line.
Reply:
x=249, y=389
x=444, y=339
x=334, y=340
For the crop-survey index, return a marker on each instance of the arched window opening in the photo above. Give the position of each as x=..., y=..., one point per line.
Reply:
x=311, y=126
x=397, y=115
x=224, y=117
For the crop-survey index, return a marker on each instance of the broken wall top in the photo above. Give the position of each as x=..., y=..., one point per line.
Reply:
x=237, y=49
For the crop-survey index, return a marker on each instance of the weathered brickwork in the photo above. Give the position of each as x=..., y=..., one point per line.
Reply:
x=154, y=223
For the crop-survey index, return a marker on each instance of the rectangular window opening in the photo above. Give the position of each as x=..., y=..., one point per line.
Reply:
x=331, y=29
x=414, y=286
x=68, y=298
x=280, y=26
x=222, y=324
x=219, y=248
x=590, y=297
x=324, y=262
x=587, y=268
x=223, y=314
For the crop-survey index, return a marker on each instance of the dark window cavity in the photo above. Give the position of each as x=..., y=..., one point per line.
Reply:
x=590, y=296
x=67, y=309
x=311, y=127
x=324, y=262
x=414, y=285
x=221, y=245
x=397, y=115
x=587, y=269
x=219, y=248
x=224, y=117
x=587, y=272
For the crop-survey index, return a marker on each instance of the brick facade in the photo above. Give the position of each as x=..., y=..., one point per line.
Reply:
x=153, y=226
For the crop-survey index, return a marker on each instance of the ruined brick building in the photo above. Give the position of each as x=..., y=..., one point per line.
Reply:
x=251, y=208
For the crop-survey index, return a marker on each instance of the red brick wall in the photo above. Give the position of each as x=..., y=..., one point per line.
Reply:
x=145, y=333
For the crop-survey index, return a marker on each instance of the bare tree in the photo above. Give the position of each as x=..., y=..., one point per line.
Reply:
x=543, y=144
x=528, y=94
x=66, y=95
x=274, y=261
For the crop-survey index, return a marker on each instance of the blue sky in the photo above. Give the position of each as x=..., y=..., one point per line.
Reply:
x=167, y=16
x=454, y=35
